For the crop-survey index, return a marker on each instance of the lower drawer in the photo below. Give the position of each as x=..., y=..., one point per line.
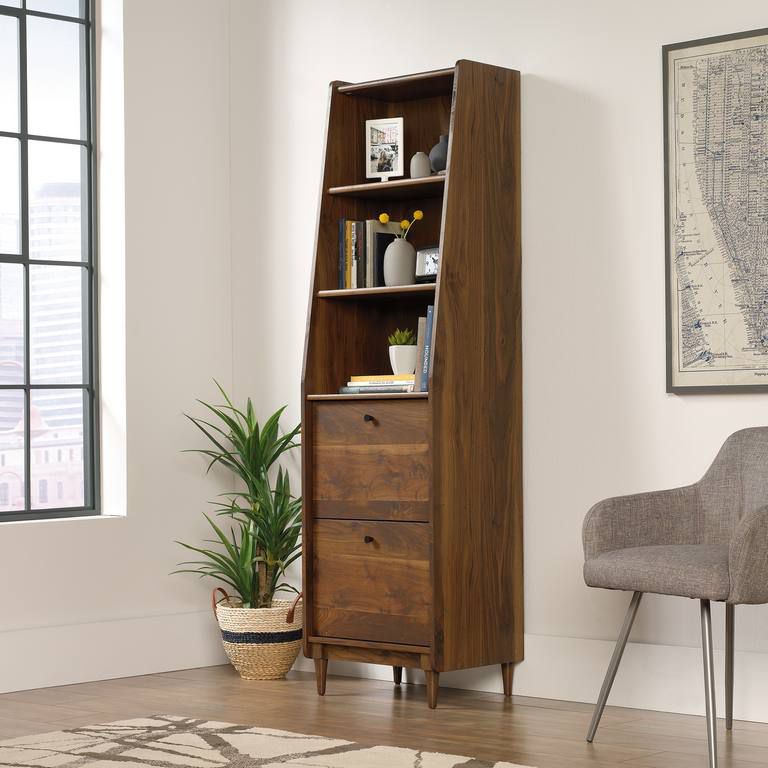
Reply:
x=371, y=581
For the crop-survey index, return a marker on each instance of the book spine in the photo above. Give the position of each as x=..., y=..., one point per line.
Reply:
x=347, y=254
x=360, y=249
x=427, y=349
x=385, y=378
x=370, y=240
x=342, y=224
x=368, y=384
x=353, y=248
x=420, y=351
x=375, y=390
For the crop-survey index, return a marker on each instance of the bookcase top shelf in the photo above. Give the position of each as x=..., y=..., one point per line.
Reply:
x=399, y=189
x=421, y=85
x=393, y=291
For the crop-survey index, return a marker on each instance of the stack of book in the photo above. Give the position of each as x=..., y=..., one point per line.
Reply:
x=379, y=384
x=361, y=252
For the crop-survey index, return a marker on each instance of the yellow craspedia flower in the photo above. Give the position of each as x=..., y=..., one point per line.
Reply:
x=404, y=224
x=384, y=218
x=418, y=215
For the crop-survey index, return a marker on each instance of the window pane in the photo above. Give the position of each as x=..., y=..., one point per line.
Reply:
x=11, y=3
x=56, y=427
x=11, y=324
x=62, y=7
x=11, y=450
x=9, y=73
x=54, y=74
x=56, y=190
x=56, y=324
x=10, y=193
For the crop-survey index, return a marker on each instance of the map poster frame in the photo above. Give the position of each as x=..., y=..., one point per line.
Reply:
x=716, y=213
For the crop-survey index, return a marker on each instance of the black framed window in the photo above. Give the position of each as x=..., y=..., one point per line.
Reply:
x=48, y=387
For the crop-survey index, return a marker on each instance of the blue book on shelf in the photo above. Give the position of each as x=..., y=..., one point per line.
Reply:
x=427, y=349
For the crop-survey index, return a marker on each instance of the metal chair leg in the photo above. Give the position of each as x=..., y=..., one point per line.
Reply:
x=709, y=681
x=730, y=630
x=613, y=667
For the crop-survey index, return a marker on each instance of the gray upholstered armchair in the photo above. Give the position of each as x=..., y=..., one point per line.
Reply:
x=707, y=541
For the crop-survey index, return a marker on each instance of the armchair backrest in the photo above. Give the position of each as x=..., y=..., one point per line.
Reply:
x=735, y=484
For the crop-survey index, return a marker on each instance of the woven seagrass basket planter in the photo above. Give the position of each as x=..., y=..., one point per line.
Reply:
x=261, y=643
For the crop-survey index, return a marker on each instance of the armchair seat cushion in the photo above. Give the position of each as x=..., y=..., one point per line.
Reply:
x=688, y=570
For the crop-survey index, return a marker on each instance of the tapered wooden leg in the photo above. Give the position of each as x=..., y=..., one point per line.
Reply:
x=433, y=684
x=321, y=673
x=397, y=673
x=507, y=670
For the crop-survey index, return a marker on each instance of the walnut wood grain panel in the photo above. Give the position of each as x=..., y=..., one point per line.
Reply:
x=413, y=511
x=371, y=473
x=388, y=422
x=372, y=581
x=476, y=380
x=374, y=656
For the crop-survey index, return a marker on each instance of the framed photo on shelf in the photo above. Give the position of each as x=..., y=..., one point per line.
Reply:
x=715, y=143
x=384, y=148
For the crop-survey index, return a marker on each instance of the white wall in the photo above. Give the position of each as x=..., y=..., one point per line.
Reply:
x=223, y=147
x=92, y=598
x=597, y=419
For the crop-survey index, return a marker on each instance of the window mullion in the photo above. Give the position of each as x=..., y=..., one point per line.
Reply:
x=24, y=191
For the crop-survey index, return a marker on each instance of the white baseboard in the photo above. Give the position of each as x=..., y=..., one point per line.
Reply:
x=42, y=657
x=657, y=677
x=666, y=678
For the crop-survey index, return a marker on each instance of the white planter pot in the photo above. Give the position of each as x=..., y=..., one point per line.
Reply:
x=403, y=358
x=399, y=263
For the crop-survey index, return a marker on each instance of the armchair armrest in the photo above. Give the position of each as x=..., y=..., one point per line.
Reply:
x=643, y=519
x=748, y=559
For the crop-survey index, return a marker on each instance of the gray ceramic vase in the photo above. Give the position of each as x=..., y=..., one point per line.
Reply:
x=438, y=155
x=399, y=263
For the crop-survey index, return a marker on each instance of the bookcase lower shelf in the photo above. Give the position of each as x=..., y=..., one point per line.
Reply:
x=379, y=396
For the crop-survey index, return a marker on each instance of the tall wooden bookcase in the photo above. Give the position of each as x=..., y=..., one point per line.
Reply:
x=413, y=548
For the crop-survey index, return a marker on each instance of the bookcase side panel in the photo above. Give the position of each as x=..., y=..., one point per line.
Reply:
x=476, y=380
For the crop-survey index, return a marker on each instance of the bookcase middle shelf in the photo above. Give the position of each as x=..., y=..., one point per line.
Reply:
x=393, y=291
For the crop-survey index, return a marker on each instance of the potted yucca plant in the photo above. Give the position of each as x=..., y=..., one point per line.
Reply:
x=256, y=530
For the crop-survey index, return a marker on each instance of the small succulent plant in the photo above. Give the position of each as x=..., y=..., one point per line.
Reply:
x=406, y=337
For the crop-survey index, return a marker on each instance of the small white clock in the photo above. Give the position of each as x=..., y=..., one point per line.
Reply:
x=427, y=260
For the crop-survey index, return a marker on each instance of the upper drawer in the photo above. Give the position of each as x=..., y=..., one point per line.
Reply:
x=371, y=461
x=371, y=422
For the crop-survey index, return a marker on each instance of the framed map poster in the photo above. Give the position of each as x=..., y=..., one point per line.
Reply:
x=716, y=195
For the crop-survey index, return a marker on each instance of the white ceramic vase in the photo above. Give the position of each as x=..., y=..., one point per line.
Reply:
x=403, y=358
x=420, y=166
x=399, y=263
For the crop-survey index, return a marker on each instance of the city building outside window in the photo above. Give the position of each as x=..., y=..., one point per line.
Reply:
x=48, y=387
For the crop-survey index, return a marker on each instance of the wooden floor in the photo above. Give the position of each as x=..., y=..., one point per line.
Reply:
x=536, y=732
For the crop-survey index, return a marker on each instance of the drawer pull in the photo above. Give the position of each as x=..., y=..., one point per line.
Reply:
x=368, y=539
x=368, y=417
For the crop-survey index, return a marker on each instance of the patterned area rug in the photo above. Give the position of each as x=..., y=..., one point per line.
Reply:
x=163, y=741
